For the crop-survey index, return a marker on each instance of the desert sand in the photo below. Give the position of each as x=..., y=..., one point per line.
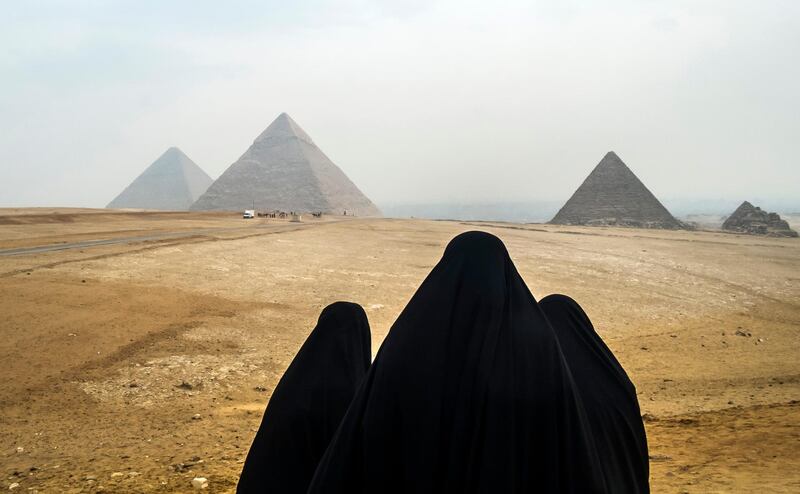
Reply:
x=137, y=365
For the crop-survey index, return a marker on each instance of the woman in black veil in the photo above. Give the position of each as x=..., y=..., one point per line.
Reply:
x=608, y=396
x=308, y=403
x=469, y=393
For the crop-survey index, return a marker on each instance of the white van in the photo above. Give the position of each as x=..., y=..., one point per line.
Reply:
x=249, y=213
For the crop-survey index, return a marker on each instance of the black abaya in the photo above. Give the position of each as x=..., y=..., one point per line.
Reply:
x=308, y=403
x=608, y=396
x=469, y=393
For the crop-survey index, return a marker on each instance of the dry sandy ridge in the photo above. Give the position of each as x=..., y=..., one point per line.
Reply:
x=135, y=367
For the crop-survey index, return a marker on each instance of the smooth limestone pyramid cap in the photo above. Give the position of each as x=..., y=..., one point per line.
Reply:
x=172, y=182
x=283, y=170
x=613, y=195
x=284, y=127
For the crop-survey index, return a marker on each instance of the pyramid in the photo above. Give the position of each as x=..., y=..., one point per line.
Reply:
x=172, y=182
x=755, y=221
x=613, y=195
x=284, y=170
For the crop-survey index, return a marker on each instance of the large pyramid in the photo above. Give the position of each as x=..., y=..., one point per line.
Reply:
x=284, y=170
x=613, y=195
x=172, y=182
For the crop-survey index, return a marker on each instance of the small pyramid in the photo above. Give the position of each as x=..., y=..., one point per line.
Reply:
x=172, y=182
x=755, y=221
x=284, y=170
x=613, y=195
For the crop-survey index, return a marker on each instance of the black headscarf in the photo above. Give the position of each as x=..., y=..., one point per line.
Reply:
x=608, y=396
x=469, y=393
x=308, y=403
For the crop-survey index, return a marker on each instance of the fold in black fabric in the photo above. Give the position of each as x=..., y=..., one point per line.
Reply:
x=469, y=393
x=608, y=396
x=308, y=403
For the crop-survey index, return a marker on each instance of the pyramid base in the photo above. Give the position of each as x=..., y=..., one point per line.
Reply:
x=628, y=223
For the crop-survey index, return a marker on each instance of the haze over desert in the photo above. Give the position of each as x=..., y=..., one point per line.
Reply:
x=310, y=247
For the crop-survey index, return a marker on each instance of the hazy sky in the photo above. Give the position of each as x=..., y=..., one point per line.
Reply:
x=416, y=101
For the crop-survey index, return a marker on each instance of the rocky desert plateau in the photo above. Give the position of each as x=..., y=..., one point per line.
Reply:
x=139, y=349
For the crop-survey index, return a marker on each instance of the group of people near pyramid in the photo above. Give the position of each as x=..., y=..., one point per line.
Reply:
x=477, y=388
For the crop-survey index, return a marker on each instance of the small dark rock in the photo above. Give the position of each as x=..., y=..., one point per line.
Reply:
x=648, y=417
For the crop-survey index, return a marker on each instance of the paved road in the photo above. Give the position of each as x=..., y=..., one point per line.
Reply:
x=21, y=251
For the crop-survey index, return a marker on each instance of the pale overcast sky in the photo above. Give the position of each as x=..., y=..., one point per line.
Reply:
x=416, y=101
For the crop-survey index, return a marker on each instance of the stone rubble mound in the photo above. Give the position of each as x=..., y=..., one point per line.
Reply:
x=755, y=221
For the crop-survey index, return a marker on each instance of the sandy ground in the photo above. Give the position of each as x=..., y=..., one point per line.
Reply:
x=134, y=368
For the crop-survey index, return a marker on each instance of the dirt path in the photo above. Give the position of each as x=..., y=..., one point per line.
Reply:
x=22, y=251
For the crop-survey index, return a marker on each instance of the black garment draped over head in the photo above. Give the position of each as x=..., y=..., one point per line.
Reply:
x=469, y=393
x=608, y=396
x=308, y=403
